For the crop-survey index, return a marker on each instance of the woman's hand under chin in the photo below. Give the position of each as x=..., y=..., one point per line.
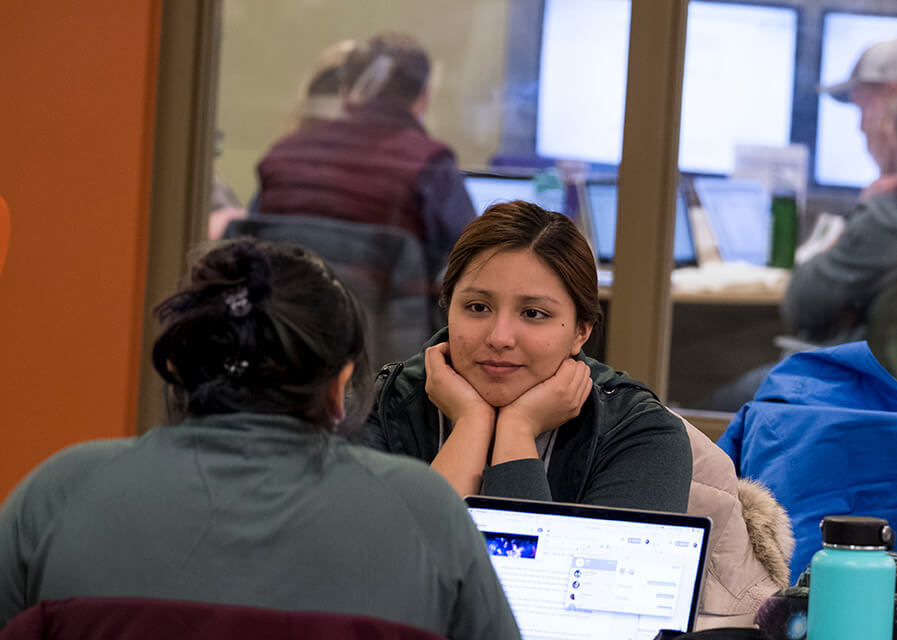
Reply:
x=550, y=403
x=449, y=391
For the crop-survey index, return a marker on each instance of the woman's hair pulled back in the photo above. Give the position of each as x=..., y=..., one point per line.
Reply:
x=389, y=67
x=551, y=236
x=263, y=328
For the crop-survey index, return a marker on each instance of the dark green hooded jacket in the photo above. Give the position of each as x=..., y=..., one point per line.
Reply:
x=623, y=450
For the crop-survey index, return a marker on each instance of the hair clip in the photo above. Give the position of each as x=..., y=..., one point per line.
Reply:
x=237, y=302
x=235, y=368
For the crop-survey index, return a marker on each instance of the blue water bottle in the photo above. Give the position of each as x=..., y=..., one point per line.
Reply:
x=852, y=581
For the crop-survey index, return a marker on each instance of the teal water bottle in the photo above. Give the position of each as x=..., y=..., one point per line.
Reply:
x=784, y=230
x=852, y=581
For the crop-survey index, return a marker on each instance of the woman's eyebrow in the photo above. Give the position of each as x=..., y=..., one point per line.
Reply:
x=538, y=298
x=475, y=291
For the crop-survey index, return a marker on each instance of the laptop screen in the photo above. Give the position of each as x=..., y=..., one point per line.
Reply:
x=738, y=211
x=576, y=571
x=603, y=207
x=488, y=189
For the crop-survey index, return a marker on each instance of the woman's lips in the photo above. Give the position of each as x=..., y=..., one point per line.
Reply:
x=498, y=369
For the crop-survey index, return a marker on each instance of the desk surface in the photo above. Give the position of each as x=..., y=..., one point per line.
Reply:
x=766, y=293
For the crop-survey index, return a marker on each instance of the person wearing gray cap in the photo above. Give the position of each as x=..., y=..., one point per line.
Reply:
x=829, y=296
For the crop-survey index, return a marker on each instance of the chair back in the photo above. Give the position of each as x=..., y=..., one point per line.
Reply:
x=151, y=619
x=385, y=267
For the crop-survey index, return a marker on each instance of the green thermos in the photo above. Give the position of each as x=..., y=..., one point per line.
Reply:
x=784, y=230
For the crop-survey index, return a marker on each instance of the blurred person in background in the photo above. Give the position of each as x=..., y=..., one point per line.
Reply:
x=828, y=298
x=377, y=164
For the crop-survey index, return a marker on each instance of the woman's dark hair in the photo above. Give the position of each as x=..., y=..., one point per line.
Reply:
x=551, y=236
x=261, y=327
x=400, y=59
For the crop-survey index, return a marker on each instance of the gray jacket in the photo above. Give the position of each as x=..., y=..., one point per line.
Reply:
x=829, y=296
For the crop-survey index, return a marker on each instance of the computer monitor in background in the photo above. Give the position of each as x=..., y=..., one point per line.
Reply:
x=738, y=83
x=486, y=189
x=603, y=208
x=582, y=80
x=841, y=155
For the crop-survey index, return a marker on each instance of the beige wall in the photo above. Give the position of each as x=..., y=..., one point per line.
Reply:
x=269, y=48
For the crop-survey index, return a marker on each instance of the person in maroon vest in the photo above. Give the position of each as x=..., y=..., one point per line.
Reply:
x=377, y=164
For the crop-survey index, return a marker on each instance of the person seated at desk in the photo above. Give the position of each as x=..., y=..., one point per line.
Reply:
x=503, y=402
x=376, y=165
x=254, y=498
x=829, y=296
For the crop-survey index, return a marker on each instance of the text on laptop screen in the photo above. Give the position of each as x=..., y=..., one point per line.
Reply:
x=581, y=577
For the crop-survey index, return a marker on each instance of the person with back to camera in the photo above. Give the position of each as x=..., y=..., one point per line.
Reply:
x=829, y=296
x=377, y=165
x=503, y=402
x=255, y=498
x=321, y=102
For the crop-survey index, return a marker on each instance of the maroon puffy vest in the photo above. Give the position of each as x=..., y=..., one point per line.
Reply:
x=363, y=168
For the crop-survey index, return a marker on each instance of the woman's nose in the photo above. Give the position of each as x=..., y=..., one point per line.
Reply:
x=501, y=334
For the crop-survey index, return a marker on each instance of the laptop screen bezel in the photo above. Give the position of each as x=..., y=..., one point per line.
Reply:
x=609, y=513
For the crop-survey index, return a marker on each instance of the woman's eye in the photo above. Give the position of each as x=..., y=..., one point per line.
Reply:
x=477, y=307
x=534, y=314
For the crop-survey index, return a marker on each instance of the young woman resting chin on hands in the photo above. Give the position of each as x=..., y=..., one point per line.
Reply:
x=504, y=402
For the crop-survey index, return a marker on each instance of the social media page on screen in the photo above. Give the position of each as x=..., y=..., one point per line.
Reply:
x=576, y=577
x=841, y=155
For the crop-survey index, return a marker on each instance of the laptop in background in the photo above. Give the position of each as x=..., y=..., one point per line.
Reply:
x=602, y=198
x=738, y=212
x=486, y=189
x=578, y=571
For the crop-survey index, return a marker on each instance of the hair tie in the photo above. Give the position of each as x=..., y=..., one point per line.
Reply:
x=372, y=80
x=237, y=301
x=235, y=368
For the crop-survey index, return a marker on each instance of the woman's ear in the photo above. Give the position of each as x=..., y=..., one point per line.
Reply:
x=336, y=393
x=583, y=331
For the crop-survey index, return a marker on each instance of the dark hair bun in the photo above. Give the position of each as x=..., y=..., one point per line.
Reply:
x=257, y=327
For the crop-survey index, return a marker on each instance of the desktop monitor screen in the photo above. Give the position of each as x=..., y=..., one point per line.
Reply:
x=841, y=155
x=738, y=84
x=582, y=79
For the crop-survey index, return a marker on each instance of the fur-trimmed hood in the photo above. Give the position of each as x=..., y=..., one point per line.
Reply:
x=751, y=540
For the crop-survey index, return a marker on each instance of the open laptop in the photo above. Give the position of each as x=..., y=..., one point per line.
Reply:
x=486, y=189
x=602, y=201
x=739, y=215
x=578, y=571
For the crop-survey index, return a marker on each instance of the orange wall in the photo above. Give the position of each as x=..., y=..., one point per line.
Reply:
x=77, y=81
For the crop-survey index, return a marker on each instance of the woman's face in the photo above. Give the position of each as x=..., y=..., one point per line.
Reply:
x=511, y=324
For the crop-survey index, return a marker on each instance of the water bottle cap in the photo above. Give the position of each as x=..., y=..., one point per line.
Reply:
x=856, y=531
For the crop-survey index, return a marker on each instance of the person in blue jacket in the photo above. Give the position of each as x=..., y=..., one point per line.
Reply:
x=821, y=434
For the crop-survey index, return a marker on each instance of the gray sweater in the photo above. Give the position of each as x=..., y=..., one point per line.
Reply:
x=251, y=510
x=828, y=297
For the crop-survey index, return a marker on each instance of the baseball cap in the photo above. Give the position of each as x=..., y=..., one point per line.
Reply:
x=878, y=64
